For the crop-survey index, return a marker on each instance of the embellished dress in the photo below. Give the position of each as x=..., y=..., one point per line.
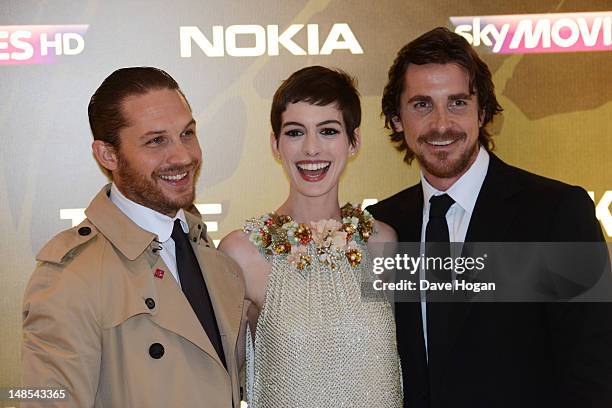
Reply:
x=318, y=342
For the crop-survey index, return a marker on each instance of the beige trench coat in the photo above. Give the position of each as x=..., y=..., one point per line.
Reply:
x=94, y=307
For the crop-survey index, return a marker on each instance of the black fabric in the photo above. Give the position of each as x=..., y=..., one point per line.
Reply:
x=437, y=239
x=437, y=227
x=436, y=234
x=532, y=355
x=194, y=287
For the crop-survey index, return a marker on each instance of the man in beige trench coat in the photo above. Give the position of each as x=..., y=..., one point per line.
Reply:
x=115, y=312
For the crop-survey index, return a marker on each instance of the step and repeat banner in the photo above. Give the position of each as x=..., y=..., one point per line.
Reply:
x=551, y=62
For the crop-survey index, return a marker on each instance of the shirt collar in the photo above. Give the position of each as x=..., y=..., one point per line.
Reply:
x=465, y=190
x=146, y=218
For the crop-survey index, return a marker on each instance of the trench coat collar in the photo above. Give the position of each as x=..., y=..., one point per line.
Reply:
x=119, y=229
x=125, y=234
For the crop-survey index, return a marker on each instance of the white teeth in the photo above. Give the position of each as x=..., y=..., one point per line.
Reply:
x=174, y=178
x=441, y=142
x=313, y=166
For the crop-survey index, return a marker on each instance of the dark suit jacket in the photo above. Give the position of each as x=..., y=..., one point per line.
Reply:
x=509, y=354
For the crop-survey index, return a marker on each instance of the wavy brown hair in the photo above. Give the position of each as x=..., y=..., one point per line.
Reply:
x=440, y=46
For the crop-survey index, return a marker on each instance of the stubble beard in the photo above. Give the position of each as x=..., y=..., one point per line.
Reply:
x=142, y=189
x=441, y=166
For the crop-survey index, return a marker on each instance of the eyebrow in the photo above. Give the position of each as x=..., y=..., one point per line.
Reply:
x=330, y=121
x=420, y=98
x=458, y=96
x=325, y=122
x=192, y=122
x=454, y=97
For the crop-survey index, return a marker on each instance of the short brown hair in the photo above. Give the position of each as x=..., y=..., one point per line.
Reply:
x=440, y=46
x=106, y=116
x=319, y=86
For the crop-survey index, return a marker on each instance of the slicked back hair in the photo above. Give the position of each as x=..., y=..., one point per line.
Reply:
x=106, y=116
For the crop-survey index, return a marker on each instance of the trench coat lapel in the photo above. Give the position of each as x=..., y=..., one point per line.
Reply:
x=226, y=293
x=174, y=312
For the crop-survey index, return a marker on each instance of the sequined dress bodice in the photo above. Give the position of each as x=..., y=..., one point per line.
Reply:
x=318, y=342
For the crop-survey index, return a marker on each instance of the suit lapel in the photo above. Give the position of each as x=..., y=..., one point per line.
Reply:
x=493, y=212
x=492, y=215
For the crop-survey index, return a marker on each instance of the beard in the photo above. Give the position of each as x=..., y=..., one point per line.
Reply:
x=145, y=190
x=441, y=165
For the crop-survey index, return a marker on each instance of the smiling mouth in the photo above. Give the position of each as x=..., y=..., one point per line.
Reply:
x=441, y=142
x=313, y=171
x=179, y=179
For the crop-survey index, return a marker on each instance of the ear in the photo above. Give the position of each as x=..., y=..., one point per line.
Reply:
x=274, y=146
x=354, y=148
x=105, y=154
x=481, y=118
x=397, y=124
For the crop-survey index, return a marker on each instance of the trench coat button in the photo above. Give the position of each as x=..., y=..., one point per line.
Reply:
x=194, y=239
x=199, y=226
x=150, y=303
x=156, y=350
x=84, y=231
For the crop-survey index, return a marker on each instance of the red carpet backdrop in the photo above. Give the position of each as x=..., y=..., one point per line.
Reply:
x=551, y=63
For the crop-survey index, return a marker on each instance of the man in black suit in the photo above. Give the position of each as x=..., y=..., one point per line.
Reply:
x=437, y=103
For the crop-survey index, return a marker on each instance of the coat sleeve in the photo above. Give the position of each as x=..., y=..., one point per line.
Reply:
x=582, y=332
x=61, y=344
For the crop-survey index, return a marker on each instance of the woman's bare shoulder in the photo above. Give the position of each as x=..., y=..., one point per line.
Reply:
x=255, y=267
x=237, y=246
x=383, y=233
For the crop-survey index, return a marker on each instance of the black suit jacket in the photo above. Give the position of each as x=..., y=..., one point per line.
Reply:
x=509, y=354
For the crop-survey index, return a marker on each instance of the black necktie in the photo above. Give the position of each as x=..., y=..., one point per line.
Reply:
x=194, y=287
x=436, y=235
x=438, y=311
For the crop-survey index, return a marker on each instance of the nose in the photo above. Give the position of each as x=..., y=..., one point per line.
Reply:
x=180, y=154
x=441, y=121
x=311, y=146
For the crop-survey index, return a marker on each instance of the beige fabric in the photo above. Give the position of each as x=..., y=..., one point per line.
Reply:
x=86, y=326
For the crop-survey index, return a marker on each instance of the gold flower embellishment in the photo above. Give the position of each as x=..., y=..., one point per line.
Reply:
x=279, y=235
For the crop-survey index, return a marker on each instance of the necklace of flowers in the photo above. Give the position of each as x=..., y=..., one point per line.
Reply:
x=276, y=234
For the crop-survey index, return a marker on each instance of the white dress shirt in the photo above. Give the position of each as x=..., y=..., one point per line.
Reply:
x=154, y=222
x=465, y=193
